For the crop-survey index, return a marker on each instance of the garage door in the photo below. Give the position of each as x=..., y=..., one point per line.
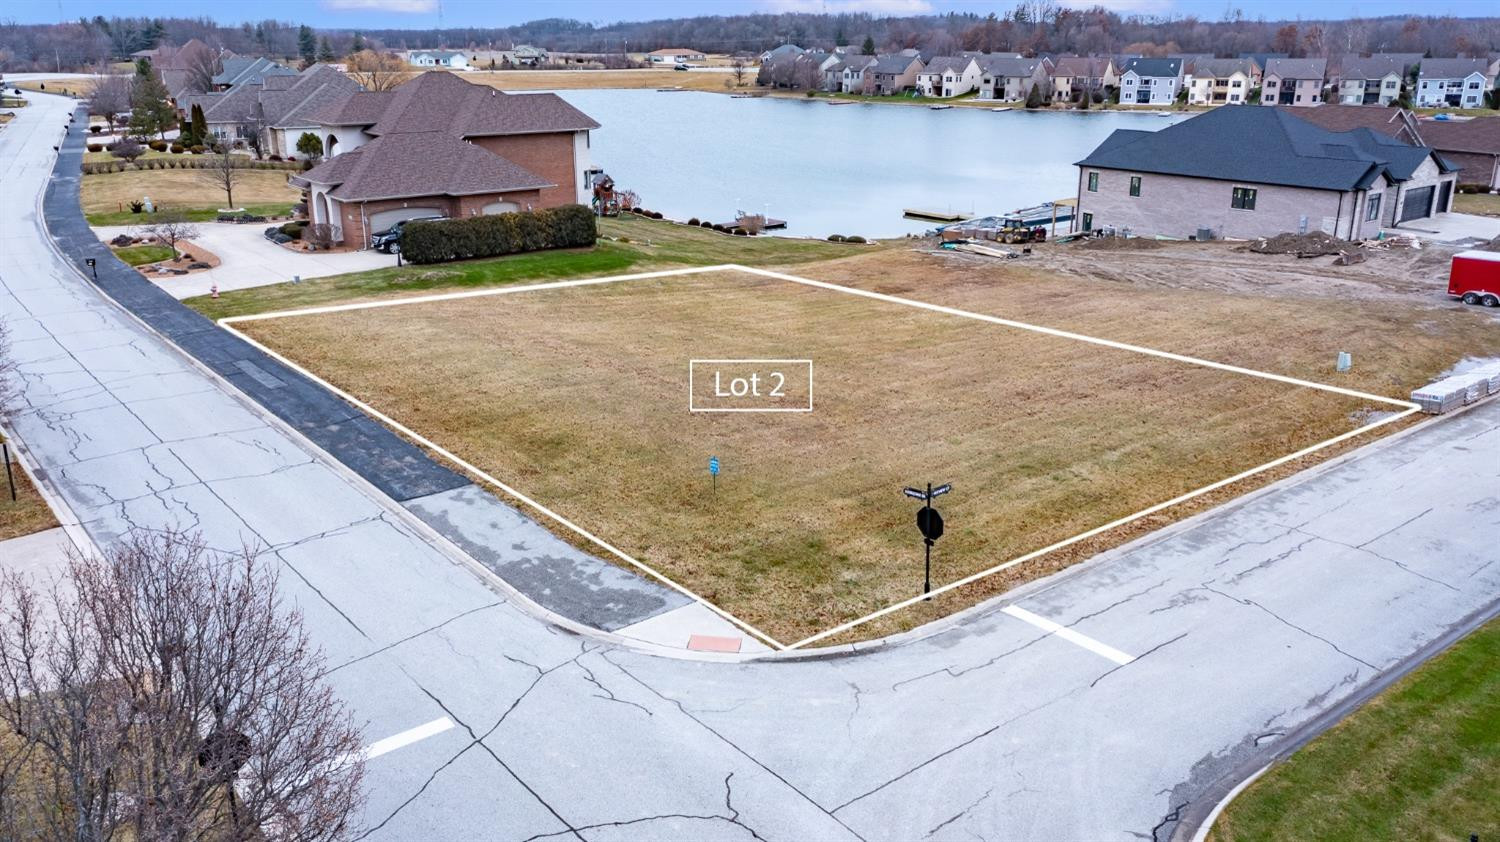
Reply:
x=1418, y=204
x=1443, y=196
x=385, y=219
x=499, y=207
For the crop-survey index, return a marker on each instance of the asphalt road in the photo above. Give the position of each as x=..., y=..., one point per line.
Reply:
x=1185, y=659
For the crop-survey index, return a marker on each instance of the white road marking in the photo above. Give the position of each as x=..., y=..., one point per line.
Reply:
x=1046, y=625
x=406, y=738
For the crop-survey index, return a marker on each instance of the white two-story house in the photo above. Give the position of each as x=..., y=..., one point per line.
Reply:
x=1452, y=83
x=1150, y=81
x=1220, y=81
x=948, y=76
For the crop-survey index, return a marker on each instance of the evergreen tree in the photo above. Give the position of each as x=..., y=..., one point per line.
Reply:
x=839, y=40
x=1034, y=98
x=143, y=67
x=307, y=44
x=195, y=133
x=359, y=43
x=150, y=111
x=869, y=46
x=310, y=146
x=325, y=50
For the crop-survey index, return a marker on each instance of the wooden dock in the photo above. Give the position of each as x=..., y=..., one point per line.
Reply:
x=935, y=215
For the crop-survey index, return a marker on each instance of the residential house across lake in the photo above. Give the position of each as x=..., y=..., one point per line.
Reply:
x=1076, y=76
x=1220, y=81
x=1373, y=80
x=1256, y=172
x=1150, y=81
x=1294, y=81
x=1453, y=82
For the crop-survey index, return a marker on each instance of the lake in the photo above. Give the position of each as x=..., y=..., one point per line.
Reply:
x=845, y=169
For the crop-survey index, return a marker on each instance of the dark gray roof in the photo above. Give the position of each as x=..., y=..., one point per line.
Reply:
x=1155, y=67
x=1005, y=65
x=1374, y=67
x=1219, y=68
x=943, y=64
x=1297, y=68
x=1451, y=68
x=1285, y=151
x=241, y=69
x=895, y=65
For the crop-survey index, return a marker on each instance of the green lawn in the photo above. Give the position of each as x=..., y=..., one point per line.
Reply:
x=1419, y=761
x=193, y=214
x=1484, y=204
x=141, y=255
x=646, y=245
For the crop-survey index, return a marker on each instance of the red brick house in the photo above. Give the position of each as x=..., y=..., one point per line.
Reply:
x=440, y=145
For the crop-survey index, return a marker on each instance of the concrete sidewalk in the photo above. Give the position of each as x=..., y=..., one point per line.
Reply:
x=248, y=259
x=1460, y=228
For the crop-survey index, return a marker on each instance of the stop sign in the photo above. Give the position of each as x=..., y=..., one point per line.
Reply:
x=930, y=523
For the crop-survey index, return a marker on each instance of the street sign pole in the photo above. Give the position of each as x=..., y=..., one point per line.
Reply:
x=9, y=479
x=930, y=524
x=927, y=564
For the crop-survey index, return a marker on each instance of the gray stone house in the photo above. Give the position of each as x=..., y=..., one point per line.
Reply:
x=1011, y=78
x=1257, y=172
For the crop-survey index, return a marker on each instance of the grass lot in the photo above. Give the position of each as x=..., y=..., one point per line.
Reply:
x=141, y=255
x=106, y=196
x=652, y=245
x=1484, y=204
x=28, y=514
x=1418, y=762
x=66, y=85
x=555, y=80
x=105, y=157
x=808, y=528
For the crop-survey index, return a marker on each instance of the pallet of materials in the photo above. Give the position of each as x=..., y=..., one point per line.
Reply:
x=1491, y=375
x=1450, y=393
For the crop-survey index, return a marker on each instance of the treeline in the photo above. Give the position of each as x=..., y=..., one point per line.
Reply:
x=1031, y=27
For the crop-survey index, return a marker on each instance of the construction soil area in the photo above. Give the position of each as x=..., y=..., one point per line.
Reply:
x=1042, y=437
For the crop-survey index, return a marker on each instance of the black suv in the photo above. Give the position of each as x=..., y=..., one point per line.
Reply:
x=389, y=240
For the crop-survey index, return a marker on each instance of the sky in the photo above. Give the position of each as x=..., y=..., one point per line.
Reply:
x=427, y=14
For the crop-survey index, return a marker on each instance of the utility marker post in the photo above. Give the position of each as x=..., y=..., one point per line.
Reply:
x=930, y=524
x=713, y=470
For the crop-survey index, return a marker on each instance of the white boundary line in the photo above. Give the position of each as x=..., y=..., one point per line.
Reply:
x=1408, y=407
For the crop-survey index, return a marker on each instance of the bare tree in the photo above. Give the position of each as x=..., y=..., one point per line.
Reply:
x=127, y=149
x=738, y=70
x=223, y=171
x=202, y=67
x=377, y=71
x=170, y=227
x=162, y=692
x=111, y=96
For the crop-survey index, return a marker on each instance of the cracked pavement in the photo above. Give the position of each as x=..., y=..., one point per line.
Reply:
x=1245, y=623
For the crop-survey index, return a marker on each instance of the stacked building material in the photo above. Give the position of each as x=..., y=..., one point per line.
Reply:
x=1453, y=392
x=1491, y=375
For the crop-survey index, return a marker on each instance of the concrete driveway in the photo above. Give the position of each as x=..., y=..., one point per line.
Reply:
x=250, y=260
x=1451, y=228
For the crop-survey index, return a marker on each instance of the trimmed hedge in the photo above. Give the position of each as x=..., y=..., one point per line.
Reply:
x=570, y=226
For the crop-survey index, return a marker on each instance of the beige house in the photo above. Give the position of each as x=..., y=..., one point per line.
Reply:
x=1070, y=74
x=948, y=76
x=1011, y=79
x=1295, y=177
x=851, y=73
x=891, y=74
x=1294, y=81
x=1375, y=80
x=1220, y=81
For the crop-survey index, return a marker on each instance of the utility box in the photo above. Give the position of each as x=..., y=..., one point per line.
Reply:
x=1474, y=277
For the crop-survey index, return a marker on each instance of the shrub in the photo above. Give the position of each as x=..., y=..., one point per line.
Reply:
x=705, y=224
x=177, y=147
x=197, y=149
x=740, y=232
x=95, y=129
x=835, y=238
x=137, y=206
x=570, y=226
x=274, y=157
x=719, y=226
x=293, y=229
x=855, y=239
x=656, y=214
x=624, y=239
x=96, y=147
x=693, y=221
x=158, y=145
x=1473, y=188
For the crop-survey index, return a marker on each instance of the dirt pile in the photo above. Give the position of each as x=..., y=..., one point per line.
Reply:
x=1492, y=245
x=1122, y=244
x=1312, y=244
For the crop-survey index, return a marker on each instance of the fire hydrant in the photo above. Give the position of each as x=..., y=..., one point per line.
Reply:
x=214, y=290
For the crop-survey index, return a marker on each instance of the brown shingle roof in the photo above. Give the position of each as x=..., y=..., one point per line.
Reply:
x=362, y=108
x=1481, y=135
x=439, y=99
x=1394, y=122
x=409, y=164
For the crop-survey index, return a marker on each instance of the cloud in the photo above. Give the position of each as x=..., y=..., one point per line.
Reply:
x=409, y=7
x=874, y=7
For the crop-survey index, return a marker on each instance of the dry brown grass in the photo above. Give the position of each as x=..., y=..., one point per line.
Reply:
x=550, y=80
x=66, y=85
x=1042, y=437
x=112, y=192
x=28, y=514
